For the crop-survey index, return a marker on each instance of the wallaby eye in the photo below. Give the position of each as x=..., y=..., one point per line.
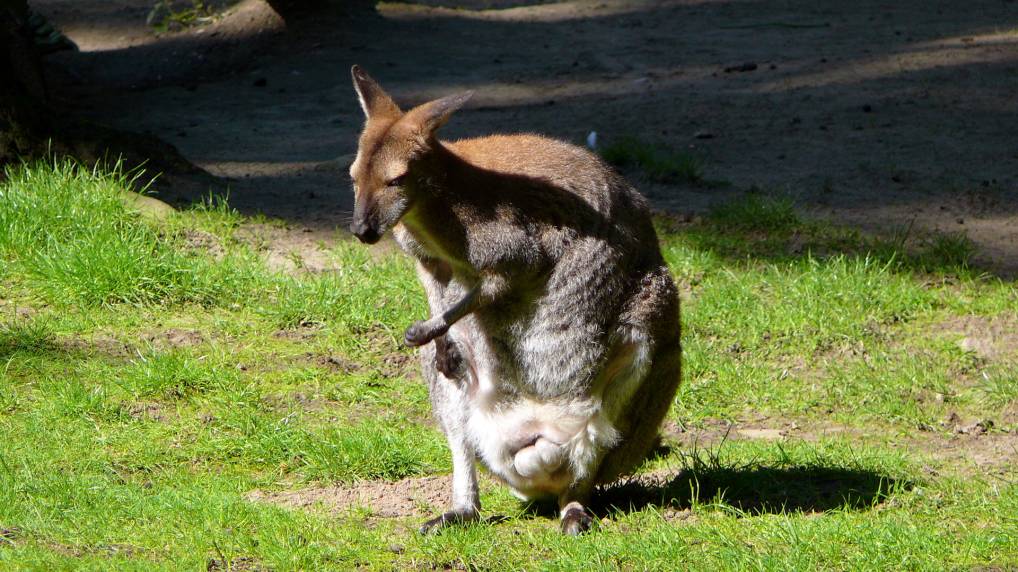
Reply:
x=396, y=181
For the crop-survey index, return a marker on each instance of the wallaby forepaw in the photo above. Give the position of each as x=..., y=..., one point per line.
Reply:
x=576, y=521
x=420, y=333
x=451, y=518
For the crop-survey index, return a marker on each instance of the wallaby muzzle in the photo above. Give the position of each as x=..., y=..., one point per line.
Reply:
x=365, y=233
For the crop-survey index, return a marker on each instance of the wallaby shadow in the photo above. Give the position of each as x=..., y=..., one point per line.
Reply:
x=751, y=490
x=748, y=491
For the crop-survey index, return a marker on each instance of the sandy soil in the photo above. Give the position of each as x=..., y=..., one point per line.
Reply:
x=871, y=113
x=408, y=497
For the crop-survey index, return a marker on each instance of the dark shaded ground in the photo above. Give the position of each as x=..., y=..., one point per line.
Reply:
x=753, y=490
x=871, y=113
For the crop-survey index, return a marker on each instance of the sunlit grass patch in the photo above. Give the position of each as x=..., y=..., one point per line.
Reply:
x=139, y=411
x=998, y=385
x=173, y=374
x=76, y=241
x=756, y=212
x=804, y=304
x=25, y=335
x=365, y=292
x=767, y=226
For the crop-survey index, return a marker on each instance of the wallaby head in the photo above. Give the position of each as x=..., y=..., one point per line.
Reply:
x=393, y=149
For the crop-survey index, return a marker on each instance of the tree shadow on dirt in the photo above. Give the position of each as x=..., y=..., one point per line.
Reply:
x=879, y=111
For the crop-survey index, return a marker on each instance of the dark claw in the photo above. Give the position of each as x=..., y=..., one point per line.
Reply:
x=576, y=521
x=447, y=357
x=451, y=518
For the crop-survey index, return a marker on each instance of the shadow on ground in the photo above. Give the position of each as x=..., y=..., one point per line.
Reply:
x=875, y=115
x=756, y=490
x=752, y=490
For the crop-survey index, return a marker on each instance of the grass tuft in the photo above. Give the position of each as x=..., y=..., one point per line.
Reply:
x=77, y=242
x=659, y=164
x=756, y=213
x=25, y=335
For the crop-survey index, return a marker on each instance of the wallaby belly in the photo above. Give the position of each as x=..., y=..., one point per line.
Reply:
x=540, y=445
x=539, y=449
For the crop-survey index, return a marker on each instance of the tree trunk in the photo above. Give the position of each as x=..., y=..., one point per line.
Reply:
x=24, y=124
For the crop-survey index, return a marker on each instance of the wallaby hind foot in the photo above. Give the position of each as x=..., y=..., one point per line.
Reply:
x=422, y=332
x=575, y=519
x=447, y=357
x=447, y=519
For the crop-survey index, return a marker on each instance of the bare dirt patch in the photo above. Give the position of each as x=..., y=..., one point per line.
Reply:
x=334, y=362
x=965, y=446
x=239, y=564
x=103, y=550
x=989, y=338
x=298, y=249
x=299, y=401
x=304, y=331
x=8, y=535
x=714, y=431
x=99, y=343
x=395, y=364
x=172, y=338
x=158, y=339
x=200, y=241
x=408, y=497
x=11, y=310
x=150, y=411
x=986, y=453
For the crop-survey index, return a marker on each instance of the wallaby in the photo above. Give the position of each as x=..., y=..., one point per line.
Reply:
x=552, y=349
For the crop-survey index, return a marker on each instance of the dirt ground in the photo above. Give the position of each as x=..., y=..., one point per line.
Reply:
x=883, y=115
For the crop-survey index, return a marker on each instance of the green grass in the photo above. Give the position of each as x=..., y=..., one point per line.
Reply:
x=172, y=16
x=657, y=163
x=148, y=385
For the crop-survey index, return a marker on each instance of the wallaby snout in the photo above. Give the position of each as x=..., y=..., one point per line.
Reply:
x=365, y=232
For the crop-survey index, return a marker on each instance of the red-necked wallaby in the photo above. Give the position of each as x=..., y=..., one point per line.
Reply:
x=552, y=349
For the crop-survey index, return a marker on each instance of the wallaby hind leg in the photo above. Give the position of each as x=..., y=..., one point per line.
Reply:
x=652, y=400
x=448, y=403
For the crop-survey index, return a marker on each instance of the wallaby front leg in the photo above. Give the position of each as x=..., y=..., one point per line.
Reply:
x=466, y=500
x=492, y=287
x=435, y=276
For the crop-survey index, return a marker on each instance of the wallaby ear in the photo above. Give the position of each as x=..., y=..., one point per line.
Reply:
x=374, y=100
x=432, y=115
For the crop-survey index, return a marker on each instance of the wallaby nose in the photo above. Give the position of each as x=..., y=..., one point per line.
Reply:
x=364, y=232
